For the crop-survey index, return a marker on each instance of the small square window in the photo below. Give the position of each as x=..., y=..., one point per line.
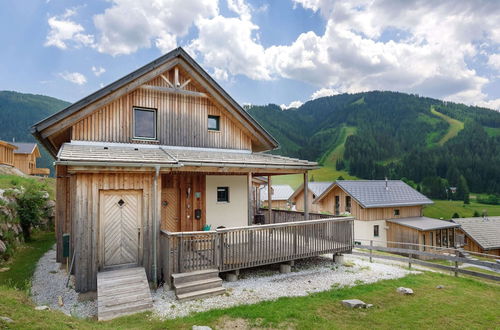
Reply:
x=223, y=194
x=214, y=123
x=145, y=123
x=396, y=212
x=375, y=230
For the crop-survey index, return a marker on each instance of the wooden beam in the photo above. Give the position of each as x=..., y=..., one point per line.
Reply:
x=306, y=197
x=167, y=81
x=270, y=198
x=184, y=84
x=176, y=77
x=250, y=199
x=173, y=90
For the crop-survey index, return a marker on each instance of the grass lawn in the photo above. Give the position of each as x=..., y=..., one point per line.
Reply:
x=455, y=126
x=428, y=308
x=11, y=181
x=22, y=265
x=445, y=209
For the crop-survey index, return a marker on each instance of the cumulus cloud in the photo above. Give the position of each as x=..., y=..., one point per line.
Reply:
x=132, y=24
x=494, y=61
x=323, y=92
x=98, y=70
x=292, y=105
x=74, y=77
x=64, y=32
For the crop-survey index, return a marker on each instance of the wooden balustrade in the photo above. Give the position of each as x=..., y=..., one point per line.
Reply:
x=280, y=216
x=244, y=247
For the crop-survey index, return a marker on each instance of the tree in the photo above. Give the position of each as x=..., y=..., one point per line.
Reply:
x=340, y=178
x=455, y=215
x=476, y=213
x=463, y=190
x=31, y=207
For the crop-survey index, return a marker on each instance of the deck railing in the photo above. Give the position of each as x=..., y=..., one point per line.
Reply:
x=244, y=247
x=280, y=216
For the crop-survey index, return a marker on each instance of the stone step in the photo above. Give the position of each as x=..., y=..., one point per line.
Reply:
x=201, y=294
x=198, y=285
x=194, y=276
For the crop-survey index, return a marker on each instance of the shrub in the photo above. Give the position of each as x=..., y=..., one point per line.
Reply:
x=31, y=207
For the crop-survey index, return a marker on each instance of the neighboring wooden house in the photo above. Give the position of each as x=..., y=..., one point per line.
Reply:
x=145, y=163
x=280, y=195
x=7, y=153
x=385, y=210
x=480, y=234
x=315, y=190
x=25, y=157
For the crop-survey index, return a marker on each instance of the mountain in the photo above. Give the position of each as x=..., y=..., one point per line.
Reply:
x=18, y=112
x=377, y=134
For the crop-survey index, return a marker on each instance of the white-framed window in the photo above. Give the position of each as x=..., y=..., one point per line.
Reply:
x=222, y=194
x=213, y=123
x=145, y=127
x=376, y=232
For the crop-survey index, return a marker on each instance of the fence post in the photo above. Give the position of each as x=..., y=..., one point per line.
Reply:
x=371, y=250
x=457, y=254
x=409, y=260
x=180, y=255
x=167, y=270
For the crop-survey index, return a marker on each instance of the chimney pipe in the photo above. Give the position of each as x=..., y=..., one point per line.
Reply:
x=386, y=184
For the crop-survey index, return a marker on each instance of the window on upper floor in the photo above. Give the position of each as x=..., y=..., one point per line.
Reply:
x=214, y=123
x=348, y=204
x=223, y=194
x=396, y=212
x=145, y=123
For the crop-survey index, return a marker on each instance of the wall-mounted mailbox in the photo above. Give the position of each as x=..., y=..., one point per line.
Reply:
x=65, y=245
x=197, y=214
x=197, y=195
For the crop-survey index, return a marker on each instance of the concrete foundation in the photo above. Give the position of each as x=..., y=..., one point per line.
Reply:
x=338, y=259
x=285, y=268
x=231, y=277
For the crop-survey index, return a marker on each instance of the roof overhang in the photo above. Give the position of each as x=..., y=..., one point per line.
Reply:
x=69, y=116
x=424, y=223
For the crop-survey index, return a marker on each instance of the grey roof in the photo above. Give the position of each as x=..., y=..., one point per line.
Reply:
x=484, y=231
x=24, y=147
x=424, y=223
x=280, y=192
x=375, y=193
x=107, y=90
x=317, y=188
x=103, y=152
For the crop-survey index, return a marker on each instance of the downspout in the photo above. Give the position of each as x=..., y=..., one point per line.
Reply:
x=155, y=226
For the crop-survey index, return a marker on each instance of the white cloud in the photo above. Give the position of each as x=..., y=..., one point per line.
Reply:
x=494, y=61
x=132, y=24
x=323, y=92
x=74, y=77
x=292, y=105
x=98, y=70
x=65, y=32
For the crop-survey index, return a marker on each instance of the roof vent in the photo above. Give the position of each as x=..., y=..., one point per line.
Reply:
x=106, y=148
x=136, y=149
x=386, y=184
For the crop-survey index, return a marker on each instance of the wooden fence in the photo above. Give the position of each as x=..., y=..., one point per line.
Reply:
x=281, y=216
x=430, y=253
x=244, y=247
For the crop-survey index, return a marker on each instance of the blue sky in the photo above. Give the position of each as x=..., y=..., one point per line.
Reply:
x=284, y=52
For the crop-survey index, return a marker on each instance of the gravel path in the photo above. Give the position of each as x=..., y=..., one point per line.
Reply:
x=49, y=283
x=310, y=275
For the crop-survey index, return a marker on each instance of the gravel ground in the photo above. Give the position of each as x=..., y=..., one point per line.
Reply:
x=255, y=285
x=49, y=283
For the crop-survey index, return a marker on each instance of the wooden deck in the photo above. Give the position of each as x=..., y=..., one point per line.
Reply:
x=244, y=247
x=122, y=292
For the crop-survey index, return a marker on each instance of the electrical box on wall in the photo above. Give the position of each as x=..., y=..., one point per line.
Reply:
x=197, y=214
x=197, y=195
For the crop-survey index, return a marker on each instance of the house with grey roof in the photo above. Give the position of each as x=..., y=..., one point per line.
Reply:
x=385, y=210
x=280, y=194
x=480, y=234
x=314, y=190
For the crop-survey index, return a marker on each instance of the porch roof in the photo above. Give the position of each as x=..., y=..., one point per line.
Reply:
x=105, y=153
x=424, y=223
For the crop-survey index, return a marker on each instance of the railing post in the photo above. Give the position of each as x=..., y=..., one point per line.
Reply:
x=371, y=250
x=180, y=255
x=457, y=254
x=221, y=255
x=168, y=270
x=409, y=260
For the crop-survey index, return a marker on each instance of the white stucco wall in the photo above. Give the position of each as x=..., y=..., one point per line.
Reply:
x=234, y=213
x=363, y=232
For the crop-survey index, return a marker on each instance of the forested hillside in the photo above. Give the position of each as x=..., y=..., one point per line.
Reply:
x=18, y=112
x=378, y=134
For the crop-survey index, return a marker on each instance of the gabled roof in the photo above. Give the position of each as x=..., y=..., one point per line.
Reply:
x=317, y=188
x=178, y=54
x=484, y=231
x=24, y=147
x=280, y=192
x=116, y=154
x=8, y=145
x=424, y=223
x=379, y=193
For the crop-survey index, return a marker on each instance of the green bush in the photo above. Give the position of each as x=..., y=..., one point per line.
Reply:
x=30, y=207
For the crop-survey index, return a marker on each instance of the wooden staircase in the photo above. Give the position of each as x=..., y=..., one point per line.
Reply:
x=197, y=284
x=122, y=292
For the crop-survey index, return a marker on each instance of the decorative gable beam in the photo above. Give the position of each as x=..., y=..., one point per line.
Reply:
x=167, y=81
x=173, y=90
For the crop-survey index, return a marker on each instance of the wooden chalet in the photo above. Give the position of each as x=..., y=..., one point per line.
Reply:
x=314, y=189
x=479, y=234
x=7, y=153
x=156, y=170
x=280, y=195
x=25, y=156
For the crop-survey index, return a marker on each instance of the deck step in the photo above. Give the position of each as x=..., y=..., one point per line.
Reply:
x=198, y=285
x=122, y=292
x=194, y=276
x=201, y=294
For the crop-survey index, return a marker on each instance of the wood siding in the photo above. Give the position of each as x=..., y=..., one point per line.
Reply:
x=85, y=190
x=299, y=202
x=6, y=154
x=327, y=204
x=281, y=204
x=182, y=120
x=25, y=162
x=471, y=245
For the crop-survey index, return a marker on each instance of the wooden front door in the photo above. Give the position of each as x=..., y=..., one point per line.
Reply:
x=120, y=225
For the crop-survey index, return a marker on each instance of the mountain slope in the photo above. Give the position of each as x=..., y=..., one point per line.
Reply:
x=19, y=111
x=392, y=134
